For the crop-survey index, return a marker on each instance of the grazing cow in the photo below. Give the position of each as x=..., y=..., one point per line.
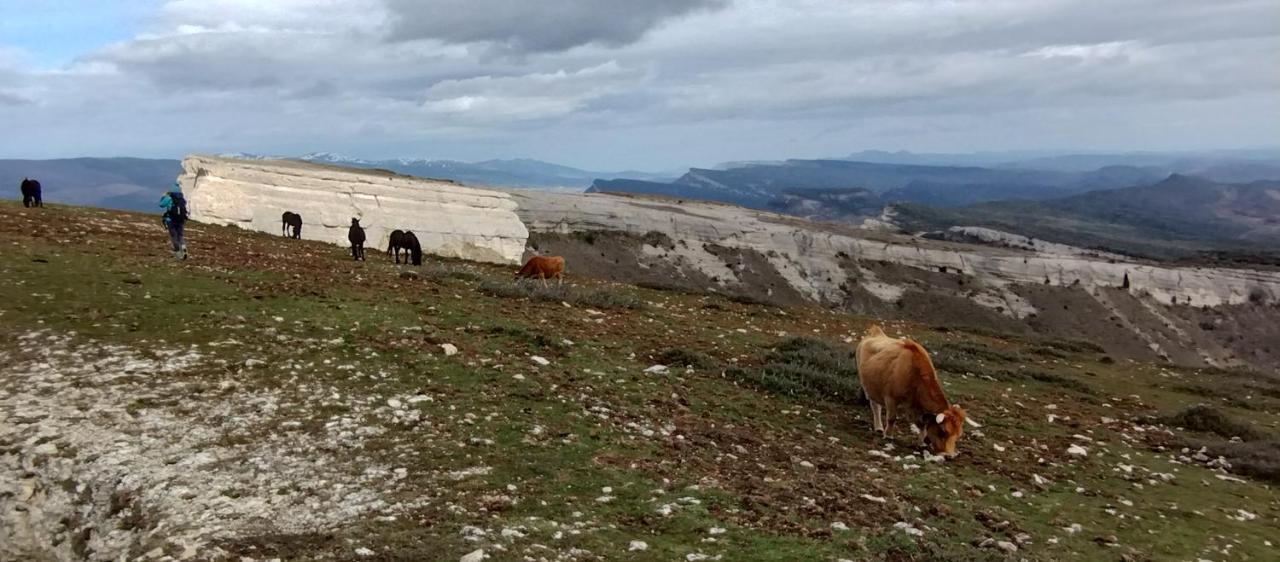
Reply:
x=291, y=219
x=355, y=235
x=31, y=193
x=395, y=243
x=543, y=267
x=898, y=374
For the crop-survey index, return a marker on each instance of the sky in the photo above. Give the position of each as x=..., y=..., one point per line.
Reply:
x=626, y=84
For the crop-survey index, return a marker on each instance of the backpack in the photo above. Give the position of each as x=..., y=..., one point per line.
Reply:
x=178, y=208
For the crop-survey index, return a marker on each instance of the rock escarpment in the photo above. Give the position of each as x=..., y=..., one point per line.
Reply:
x=450, y=220
x=1190, y=315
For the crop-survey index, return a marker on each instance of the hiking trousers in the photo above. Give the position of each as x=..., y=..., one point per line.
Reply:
x=177, y=233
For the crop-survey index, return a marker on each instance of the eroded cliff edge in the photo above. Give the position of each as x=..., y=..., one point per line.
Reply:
x=449, y=219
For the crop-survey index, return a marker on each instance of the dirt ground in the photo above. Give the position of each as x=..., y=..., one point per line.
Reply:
x=269, y=398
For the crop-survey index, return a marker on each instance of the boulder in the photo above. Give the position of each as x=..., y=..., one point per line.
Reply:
x=449, y=219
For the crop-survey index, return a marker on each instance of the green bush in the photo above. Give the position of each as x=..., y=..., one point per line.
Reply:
x=1207, y=419
x=807, y=367
x=594, y=298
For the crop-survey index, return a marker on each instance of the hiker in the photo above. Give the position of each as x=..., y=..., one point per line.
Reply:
x=31, y=193
x=175, y=219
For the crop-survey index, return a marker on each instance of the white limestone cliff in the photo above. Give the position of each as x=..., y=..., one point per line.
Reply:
x=808, y=253
x=449, y=219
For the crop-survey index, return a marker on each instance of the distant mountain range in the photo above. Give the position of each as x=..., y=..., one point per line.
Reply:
x=131, y=184
x=518, y=173
x=761, y=186
x=1179, y=217
x=136, y=184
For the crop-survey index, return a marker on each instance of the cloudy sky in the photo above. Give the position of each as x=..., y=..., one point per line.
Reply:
x=652, y=84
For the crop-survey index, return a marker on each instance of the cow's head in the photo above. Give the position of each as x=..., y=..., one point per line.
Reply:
x=944, y=429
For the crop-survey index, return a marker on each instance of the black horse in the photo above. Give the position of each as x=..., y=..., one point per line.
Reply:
x=410, y=243
x=395, y=244
x=291, y=219
x=407, y=241
x=355, y=235
x=31, y=193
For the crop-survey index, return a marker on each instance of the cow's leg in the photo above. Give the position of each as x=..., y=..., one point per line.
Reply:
x=560, y=279
x=889, y=410
x=543, y=277
x=875, y=416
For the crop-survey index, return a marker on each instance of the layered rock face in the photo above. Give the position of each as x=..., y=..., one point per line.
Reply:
x=812, y=251
x=449, y=220
x=1189, y=315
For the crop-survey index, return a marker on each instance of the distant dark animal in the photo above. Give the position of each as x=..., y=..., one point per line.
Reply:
x=898, y=374
x=31, y=193
x=414, y=247
x=543, y=267
x=291, y=219
x=355, y=235
x=395, y=243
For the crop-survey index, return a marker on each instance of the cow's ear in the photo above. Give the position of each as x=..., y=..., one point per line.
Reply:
x=940, y=418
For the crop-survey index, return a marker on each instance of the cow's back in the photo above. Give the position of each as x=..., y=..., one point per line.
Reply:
x=884, y=367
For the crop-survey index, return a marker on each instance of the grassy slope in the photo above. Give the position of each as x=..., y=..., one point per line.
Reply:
x=742, y=453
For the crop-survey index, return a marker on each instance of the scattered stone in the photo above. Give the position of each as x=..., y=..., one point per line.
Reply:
x=362, y=551
x=449, y=349
x=657, y=370
x=540, y=360
x=1007, y=546
x=1077, y=451
x=636, y=546
x=839, y=526
x=253, y=363
x=473, y=556
x=409, y=274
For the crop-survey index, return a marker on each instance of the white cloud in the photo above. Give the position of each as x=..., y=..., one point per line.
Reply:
x=616, y=83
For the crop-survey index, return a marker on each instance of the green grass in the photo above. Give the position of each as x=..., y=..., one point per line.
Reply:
x=733, y=441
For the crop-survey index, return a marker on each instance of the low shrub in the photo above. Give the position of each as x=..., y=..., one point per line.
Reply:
x=1207, y=419
x=1257, y=459
x=594, y=298
x=807, y=367
x=681, y=357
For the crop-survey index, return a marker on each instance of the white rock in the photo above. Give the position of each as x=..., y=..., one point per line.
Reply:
x=1007, y=546
x=362, y=551
x=540, y=360
x=637, y=546
x=449, y=219
x=656, y=370
x=872, y=498
x=473, y=556
x=449, y=349
x=839, y=526
x=717, y=531
x=1077, y=451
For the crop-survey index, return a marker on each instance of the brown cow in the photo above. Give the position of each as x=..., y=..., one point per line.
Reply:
x=543, y=267
x=897, y=373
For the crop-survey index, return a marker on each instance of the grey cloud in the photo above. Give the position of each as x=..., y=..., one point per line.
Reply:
x=537, y=26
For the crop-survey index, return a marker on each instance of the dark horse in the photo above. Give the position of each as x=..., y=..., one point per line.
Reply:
x=407, y=241
x=395, y=244
x=415, y=249
x=291, y=219
x=355, y=235
x=31, y=193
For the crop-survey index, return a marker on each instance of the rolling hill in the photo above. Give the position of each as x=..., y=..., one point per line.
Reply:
x=132, y=184
x=759, y=185
x=1181, y=216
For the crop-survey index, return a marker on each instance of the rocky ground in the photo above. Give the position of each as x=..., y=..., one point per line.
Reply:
x=269, y=399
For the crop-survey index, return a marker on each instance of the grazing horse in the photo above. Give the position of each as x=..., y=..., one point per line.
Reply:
x=355, y=235
x=410, y=243
x=543, y=267
x=291, y=219
x=395, y=244
x=31, y=193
